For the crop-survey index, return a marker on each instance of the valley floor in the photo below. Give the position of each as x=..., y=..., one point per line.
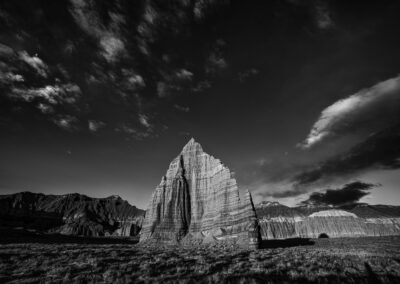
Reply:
x=351, y=260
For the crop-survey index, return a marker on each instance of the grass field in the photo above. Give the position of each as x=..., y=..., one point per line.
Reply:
x=74, y=260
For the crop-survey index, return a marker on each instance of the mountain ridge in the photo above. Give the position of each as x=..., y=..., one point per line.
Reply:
x=71, y=214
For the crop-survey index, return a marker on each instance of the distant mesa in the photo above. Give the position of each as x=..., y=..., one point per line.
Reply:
x=282, y=222
x=197, y=201
x=333, y=213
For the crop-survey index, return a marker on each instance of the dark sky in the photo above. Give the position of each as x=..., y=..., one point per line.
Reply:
x=296, y=97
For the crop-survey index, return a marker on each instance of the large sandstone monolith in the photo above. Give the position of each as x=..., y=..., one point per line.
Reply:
x=198, y=201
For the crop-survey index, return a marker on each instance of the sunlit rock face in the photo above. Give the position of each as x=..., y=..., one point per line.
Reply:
x=198, y=201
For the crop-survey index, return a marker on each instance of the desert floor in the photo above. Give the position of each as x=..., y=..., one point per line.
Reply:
x=77, y=260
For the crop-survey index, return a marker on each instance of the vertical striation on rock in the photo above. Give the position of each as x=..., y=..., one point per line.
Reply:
x=198, y=201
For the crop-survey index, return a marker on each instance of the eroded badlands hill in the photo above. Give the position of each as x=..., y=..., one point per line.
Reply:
x=71, y=214
x=278, y=221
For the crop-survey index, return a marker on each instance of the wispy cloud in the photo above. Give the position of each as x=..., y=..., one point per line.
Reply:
x=66, y=122
x=162, y=89
x=201, y=86
x=57, y=94
x=144, y=120
x=244, y=75
x=109, y=38
x=95, y=125
x=323, y=16
x=132, y=80
x=320, y=12
x=184, y=74
x=112, y=47
x=215, y=63
x=147, y=28
x=173, y=83
x=202, y=7
x=45, y=108
x=119, y=61
x=10, y=77
x=132, y=132
x=35, y=62
x=358, y=111
x=5, y=50
x=182, y=108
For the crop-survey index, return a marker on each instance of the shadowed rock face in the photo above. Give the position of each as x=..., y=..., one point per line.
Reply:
x=71, y=214
x=281, y=222
x=174, y=215
x=198, y=201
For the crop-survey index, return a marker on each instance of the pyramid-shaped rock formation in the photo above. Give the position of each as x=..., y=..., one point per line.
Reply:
x=198, y=201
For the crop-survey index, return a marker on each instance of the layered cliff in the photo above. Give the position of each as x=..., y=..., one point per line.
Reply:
x=198, y=201
x=72, y=214
x=280, y=222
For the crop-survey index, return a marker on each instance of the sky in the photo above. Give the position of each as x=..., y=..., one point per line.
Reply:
x=301, y=99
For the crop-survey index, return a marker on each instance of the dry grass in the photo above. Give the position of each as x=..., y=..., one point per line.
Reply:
x=365, y=260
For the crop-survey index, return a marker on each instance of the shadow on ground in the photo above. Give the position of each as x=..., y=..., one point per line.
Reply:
x=11, y=236
x=295, y=242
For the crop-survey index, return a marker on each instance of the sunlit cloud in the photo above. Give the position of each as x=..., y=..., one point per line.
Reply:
x=377, y=104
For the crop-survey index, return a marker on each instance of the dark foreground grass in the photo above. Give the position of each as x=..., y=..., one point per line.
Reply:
x=357, y=260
